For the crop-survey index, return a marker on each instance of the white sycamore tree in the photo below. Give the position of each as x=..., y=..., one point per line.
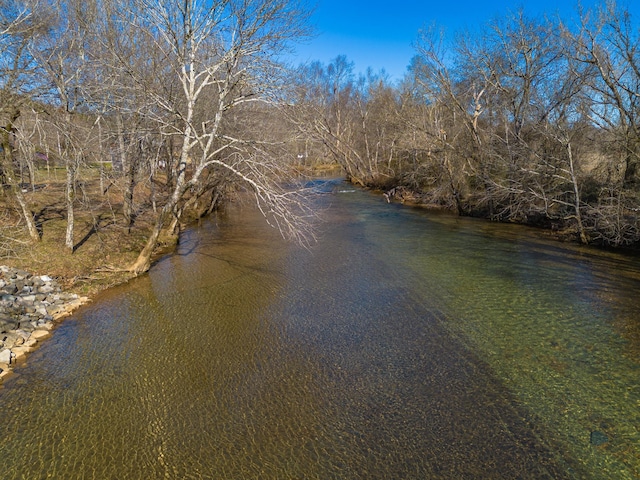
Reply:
x=213, y=58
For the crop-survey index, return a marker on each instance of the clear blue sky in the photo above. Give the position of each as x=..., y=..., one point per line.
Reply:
x=380, y=34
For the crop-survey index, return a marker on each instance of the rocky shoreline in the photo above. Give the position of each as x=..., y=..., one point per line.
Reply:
x=29, y=307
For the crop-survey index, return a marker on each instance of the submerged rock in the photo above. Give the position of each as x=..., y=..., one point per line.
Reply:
x=598, y=438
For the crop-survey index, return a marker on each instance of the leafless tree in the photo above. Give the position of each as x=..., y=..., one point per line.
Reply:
x=323, y=107
x=22, y=24
x=221, y=55
x=609, y=42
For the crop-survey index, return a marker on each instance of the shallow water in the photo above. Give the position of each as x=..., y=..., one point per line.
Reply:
x=403, y=345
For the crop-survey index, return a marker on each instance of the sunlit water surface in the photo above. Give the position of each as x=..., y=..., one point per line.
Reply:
x=403, y=345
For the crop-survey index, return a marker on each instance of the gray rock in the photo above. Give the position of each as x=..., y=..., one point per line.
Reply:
x=55, y=309
x=23, y=333
x=12, y=339
x=28, y=304
x=24, y=299
x=5, y=356
x=46, y=289
x=20, y=274
x=7, y=324
x=27, y=327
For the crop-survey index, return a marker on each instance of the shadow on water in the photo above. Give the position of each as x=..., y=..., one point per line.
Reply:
x=402, y=345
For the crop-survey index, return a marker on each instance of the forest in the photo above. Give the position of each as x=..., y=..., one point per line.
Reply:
x=128, y=117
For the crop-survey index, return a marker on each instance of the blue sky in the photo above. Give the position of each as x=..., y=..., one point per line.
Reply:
x=380, y=34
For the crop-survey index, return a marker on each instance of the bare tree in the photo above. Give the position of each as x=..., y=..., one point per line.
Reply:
x=221, y=54
x=502, y=91
x=61, y=57
x=331, y=107
x=378, y=107
x=22, y=24
x=610, y=43
x=449, y=127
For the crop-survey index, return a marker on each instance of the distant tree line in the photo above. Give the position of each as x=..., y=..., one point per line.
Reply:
x=531, y=120
x=175, y=104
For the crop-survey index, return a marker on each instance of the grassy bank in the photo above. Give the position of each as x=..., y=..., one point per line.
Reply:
x=104, y=245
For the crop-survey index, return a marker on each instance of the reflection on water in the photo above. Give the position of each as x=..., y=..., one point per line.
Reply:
x=403, y=345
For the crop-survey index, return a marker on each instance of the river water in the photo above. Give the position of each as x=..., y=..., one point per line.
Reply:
x=404, y=344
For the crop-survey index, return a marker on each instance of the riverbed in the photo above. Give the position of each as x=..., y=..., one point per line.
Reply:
x=403, y=344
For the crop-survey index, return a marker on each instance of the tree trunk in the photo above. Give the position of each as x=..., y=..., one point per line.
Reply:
x=101, y=162
x=576, y=191
x=143, y=262
x=130, y=182
x=6, y=165
x=128, y=170
x=631, y=177
x=70, y=195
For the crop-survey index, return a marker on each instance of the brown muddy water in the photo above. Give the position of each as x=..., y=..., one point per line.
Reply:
x=402, y=345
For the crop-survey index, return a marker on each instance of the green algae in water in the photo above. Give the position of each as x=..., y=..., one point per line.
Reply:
x=539, y=316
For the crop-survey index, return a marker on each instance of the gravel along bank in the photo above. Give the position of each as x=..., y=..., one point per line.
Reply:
x=29, y=307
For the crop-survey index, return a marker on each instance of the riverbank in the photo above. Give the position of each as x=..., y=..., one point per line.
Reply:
x=609, y=233
x=33, y=304
x=105, y=247
x=30, y=306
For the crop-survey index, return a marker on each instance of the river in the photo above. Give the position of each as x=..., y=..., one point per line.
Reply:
x=403, y=344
